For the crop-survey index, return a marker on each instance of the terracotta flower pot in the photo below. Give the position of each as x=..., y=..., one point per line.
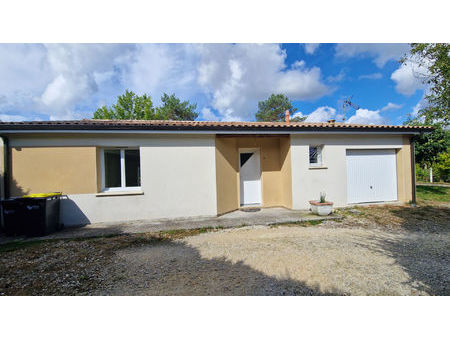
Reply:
x=321, y=209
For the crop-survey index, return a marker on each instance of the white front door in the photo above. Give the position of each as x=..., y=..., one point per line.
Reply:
x=371, y=175
x=250, y=177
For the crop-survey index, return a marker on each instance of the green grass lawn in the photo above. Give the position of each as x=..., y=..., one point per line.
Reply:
x=430, y=193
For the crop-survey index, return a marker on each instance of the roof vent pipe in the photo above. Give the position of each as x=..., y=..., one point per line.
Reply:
x=287, y=116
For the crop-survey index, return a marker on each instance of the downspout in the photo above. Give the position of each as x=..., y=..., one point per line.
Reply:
x=413, y=174
x=4, y=191
x=5, y=186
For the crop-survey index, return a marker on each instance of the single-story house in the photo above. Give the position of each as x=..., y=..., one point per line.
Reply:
x=125, y=170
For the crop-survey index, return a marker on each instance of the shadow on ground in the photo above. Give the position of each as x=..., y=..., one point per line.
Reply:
x=133, y=265
x=175, y=268
x=422, y=249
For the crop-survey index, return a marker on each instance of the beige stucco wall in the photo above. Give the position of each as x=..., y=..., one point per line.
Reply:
x=227, y=166
x=404, y=173
x=178, y=176
x=71, y=170
x=194, y=175
x=308, y=183
x=286, y=171
x=275, y=170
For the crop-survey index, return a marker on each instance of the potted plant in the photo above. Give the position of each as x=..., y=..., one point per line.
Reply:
x=321, y=207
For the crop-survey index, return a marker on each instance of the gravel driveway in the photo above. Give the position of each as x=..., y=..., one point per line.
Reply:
x=377, y=251
x=289, y=261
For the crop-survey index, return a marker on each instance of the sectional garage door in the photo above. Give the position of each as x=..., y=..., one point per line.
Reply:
x=371, y=175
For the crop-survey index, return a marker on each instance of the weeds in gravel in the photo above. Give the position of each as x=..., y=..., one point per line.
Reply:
x=127, y=239
x=69, y=266
x=315, y=222
x=17, y=245
x=297, y=224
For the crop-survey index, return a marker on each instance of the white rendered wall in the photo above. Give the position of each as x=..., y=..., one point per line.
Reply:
x=178, y=179
x=307, y=184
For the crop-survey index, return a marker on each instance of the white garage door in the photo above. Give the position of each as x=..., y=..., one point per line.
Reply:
x=371, y=175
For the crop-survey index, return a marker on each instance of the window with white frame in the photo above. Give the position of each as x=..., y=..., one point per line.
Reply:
x=121, y=169
x=315, y=156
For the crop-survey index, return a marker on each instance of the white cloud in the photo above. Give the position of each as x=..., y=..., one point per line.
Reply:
x=208, y=115
x=52, y=79
x=68, y=80
x=338, y=77
x=361, y=116
x=408, y=78
x=158, y=68
x=12, y=118
x=415, y=110
x=391, y=106
x=236, y=77
x=310, y=48
x=298, y=64
x=76, y=68
x=297, y=114
x=373, y=76
x=24, y=73
x=365, y=116
x=321, y=114
x=380, y=52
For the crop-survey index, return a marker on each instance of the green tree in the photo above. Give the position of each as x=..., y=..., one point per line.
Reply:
x=436, y=58
x=443, y=167
x=175, y=109
x=273, y=109
x=429, y=146
x=129, y=106
x=298, y=119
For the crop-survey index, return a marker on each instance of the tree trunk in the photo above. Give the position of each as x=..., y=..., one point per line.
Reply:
x=431, y=174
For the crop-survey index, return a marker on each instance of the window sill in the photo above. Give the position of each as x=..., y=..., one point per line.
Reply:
x=120, y=193
x=318, y=167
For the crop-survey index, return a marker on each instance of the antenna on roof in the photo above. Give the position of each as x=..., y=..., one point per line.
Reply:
x=348, y=103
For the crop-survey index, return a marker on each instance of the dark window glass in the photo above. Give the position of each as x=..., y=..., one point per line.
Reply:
x=245, y=157
x=132, y=168
x=112, y=168
x=313, y=155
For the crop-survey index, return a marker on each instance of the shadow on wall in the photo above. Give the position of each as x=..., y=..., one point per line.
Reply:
x=70, y=214
x=14, y=188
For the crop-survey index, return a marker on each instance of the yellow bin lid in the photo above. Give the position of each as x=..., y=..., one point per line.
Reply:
x=43, y=195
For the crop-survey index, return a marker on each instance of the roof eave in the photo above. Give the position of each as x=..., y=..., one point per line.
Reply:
x=215, y=130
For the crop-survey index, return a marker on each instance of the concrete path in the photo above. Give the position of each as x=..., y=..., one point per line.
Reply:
x=236, y=218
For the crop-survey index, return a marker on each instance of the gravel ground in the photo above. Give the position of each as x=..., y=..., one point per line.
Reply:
x=372, y=251
x=289, y=261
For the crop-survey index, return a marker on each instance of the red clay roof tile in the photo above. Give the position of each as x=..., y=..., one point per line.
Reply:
x=90, y=124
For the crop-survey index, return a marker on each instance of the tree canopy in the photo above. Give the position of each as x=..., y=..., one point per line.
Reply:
x=130, y=106
x=175, y=109
x=435, y=57
x=428, y=146
x=273, y=109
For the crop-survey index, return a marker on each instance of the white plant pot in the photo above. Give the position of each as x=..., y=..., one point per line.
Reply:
x=321, y=209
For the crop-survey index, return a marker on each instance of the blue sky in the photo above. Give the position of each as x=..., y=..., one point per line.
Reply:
x=69, y=81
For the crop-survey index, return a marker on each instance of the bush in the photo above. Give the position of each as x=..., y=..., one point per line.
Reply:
x=442, y=167
x=422, y=175
x=441, y=170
